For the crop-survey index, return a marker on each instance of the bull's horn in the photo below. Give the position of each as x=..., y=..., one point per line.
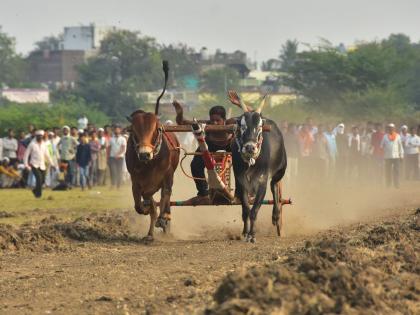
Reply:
x=262, y=104
x=243, y=105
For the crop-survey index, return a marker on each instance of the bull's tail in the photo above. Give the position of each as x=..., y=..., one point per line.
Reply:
x=165, y=67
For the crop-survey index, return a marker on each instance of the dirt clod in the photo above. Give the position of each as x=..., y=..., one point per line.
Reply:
x=369, y=269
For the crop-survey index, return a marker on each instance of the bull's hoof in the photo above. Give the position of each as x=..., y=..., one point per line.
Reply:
x=251, y=238
x=164, y=224
x=142, y=211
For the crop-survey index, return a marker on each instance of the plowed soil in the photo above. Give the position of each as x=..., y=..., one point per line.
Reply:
x=337, y=256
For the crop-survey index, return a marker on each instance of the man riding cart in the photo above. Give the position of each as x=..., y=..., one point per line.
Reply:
x=215, y=140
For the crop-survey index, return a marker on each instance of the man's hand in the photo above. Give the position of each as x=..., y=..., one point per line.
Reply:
x=178, y=107
x=234, y=97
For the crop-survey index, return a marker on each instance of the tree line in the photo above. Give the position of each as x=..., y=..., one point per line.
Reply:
x=371, y=79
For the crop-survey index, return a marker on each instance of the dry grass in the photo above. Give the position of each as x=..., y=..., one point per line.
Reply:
x=64, y=204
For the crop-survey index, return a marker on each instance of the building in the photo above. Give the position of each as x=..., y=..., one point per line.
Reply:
x=237, y=60
x=26, y=95
x=55, y=68
x=58, y=68
x=84, y=37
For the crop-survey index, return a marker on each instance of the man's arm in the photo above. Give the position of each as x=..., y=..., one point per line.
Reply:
x=180, y=114
x=26, y=155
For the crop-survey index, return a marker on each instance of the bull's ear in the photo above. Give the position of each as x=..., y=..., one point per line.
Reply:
x=130, y=120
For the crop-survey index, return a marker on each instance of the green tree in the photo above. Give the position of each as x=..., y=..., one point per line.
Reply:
x=219, y=81
x=49, y=43
x=12, y=66
x=19, y=116
x=182, y=64
x=127, y=64
x=288, y=54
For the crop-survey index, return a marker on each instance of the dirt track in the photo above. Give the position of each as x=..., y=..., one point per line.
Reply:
x=99, y=265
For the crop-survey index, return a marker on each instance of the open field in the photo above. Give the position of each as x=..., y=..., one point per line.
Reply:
x=81, y=252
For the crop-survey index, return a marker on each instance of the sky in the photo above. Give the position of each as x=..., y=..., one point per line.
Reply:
x=256, y=27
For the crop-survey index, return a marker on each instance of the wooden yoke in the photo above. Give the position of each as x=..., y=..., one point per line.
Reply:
x=188, y=128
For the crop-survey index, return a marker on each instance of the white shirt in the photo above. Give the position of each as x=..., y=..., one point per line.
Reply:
x=392, y=149
x=1, y=149
x=82, y=122
x=117, y=146
x=412, y=144
x=36, y=154
x=10, y=147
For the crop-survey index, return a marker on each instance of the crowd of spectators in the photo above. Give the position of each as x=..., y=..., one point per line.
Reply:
x=375, y=152
x=86, y=156
x=63, y=158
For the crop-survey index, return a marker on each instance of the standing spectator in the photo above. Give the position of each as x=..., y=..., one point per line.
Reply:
x=411, y=153
x=21, y=146
x=393, y=154
x=306, y=142
x=404, y=136
x=311, y=126
x=354, y=148
x=118, y=145
x=55, y=138
x=83, y=160
x=95, y=147
x=1, y=149
x=102, y=157
x=35, y=158
x=52, y=170
x=332, y=151
x=342, y=151
x=10, y=147
x=68, y=146
x=292, y=148
x=378, y=152
x=321, y=154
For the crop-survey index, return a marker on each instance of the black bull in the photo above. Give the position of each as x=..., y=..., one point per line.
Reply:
x=258, y=156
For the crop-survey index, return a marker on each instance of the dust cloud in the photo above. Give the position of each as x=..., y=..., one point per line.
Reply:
x=317, y=205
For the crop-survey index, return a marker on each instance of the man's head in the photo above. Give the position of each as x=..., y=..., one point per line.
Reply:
x=11, y=133
x=413, y=130
x=74, y=131
x=66, y=130
x=39, y=135
x=340, y=129
x=379, y=127
x=404, y=129
x=5, y=161
x=355, y=130
x=93, y=134
x=117, y=130
x=390, y=128
x=84, y=138
x=101, y=132
x=217, y=115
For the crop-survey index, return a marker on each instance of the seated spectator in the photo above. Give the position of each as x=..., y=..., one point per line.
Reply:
x=9, y=176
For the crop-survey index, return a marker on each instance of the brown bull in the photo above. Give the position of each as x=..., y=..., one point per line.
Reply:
x=152, y=157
